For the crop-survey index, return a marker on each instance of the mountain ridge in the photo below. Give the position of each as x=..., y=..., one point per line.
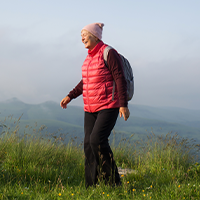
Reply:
x=142, y=120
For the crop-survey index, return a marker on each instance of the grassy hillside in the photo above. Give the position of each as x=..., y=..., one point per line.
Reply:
x=47, y=128
x=37, y=168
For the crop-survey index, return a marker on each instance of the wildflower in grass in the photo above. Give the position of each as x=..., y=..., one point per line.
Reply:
x=59, y=194
x=128, y=182
x=122, y=175
x=149, y=197
x=107, y=195
x=133, y=190
x=22, y=193
x=179, y=186
x=142, y=190
x=103, y=193
x=144, y=195
x=149, y=187
x=72, y=194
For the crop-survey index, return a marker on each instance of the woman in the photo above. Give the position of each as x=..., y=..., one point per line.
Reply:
x=101, y=111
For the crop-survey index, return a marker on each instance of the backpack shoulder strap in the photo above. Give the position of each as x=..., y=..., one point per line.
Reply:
x=105, y=57
x=105, y=54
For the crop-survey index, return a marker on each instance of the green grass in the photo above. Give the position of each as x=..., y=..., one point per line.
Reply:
x=32, y=167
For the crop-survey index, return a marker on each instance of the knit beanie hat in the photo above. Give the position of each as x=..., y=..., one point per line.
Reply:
x=95, y=28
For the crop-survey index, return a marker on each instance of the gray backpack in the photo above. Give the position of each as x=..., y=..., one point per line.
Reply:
x=128, y=73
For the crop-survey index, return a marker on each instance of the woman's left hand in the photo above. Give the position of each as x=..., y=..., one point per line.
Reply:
x=125, y=112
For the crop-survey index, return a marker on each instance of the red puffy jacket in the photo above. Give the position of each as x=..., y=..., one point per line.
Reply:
x=97, y=83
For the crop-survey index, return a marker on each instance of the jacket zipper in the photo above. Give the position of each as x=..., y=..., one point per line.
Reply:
x=87, y=86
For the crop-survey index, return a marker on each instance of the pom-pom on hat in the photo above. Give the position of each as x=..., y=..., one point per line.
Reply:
x=95, y=28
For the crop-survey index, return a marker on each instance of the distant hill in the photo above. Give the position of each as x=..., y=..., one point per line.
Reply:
x=142, y=121
x=168, y=114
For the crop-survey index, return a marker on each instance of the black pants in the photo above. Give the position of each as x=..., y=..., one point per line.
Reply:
x=99, y=162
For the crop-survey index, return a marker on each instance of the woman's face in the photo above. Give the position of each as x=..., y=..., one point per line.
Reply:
x=88, y=40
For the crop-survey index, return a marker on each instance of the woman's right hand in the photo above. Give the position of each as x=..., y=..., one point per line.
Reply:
x=64, y=102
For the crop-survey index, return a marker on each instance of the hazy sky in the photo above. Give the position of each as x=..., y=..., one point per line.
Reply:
x=41, y=52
